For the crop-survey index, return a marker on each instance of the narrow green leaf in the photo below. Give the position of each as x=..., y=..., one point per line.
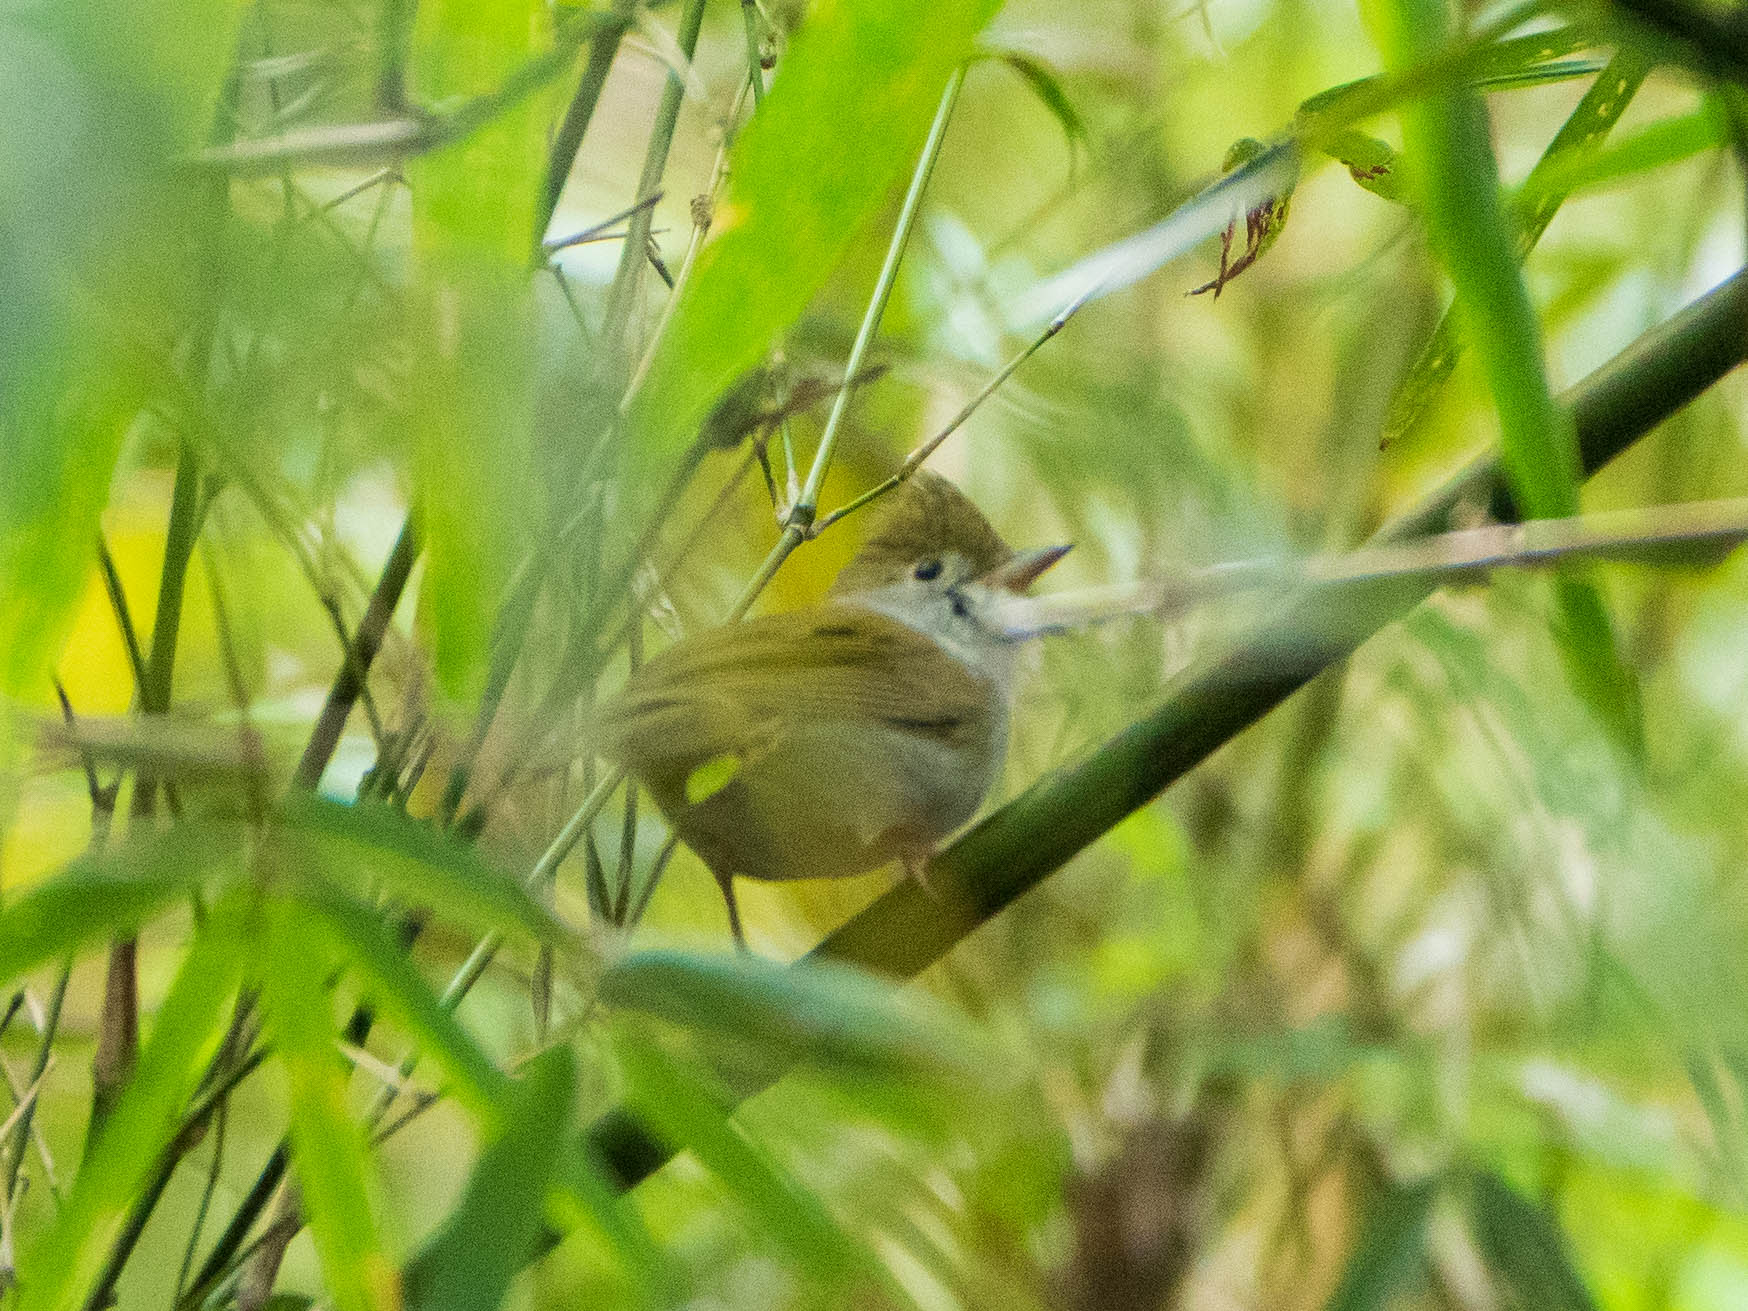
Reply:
x=857, y=90
x=1665, y=142
x=92, y=288
x=1391, y=1251
x=1524, y=1249
x=1531, y=211
x=106, y=894
x=813, y=1011
x=401, y=993
x=474, y=207
x=1048, y=88
x=1512, y=62
x=328, y=1145
x=678, y=1107
x=59, y=1271
x=419, y=865
x=1458, y=189
x=582, y=1195
x=469, y=1262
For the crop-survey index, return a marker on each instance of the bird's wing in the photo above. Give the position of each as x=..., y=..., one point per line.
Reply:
x=729, y=691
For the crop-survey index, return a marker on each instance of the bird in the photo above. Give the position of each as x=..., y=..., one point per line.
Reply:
x=830, y=740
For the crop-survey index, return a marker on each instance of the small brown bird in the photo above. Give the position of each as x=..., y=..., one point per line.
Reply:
x=830, y=740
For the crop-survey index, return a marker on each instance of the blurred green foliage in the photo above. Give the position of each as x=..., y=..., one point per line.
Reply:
x=1426, y=991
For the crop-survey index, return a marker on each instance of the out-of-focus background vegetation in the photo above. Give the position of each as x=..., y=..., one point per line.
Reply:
x=1426, y=991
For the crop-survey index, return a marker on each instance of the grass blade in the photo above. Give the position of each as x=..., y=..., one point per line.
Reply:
x=1391, y=1251
x=1524, y=1249
x=681, y=1109
x=1542, y=194
x=419, y=865
x=400, y=992
x=328, y=1144
x=860, y=84
x=469, y=1262
x=1448, y=136
x=816, y=1011
x=58, y=1272
x=106, y=894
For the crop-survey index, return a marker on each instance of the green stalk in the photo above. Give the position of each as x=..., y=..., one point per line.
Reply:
x=655, y=163
x=118, y=1034
x=802, y=512
x=571, y=131
x=798, y=525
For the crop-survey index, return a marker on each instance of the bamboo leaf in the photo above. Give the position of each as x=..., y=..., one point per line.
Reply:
x=1468, y=226
x=419, y=865
x=474, y=208
x=1531, y=212
x=328, y=1145
x=108, y=894
x=398, y=989
x=1391, y=1251
x=820, y=1012
x=1524, y=1249
x=1048, y=88
x=467, y=1265
x=859, y=86
x=1658, y=145
x=61, y=1269
x=684, y=1111
x=584, y=1196
x=92, y=288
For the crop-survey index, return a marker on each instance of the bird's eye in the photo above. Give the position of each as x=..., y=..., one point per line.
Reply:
x=960, y=607
x=927, y=571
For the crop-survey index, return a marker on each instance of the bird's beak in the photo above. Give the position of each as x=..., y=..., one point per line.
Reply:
x=1024, y=568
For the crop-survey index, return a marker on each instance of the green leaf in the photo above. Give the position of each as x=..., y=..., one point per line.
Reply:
x=1524, y=1249
x=401, y=993
x=420, y=865
x=61, y=1269
x=93, y=288
x=1458, y=189
x=107, y=894
x=1665, y=142
x=583, y=1196
x=1391, y=1251
x=1048, y=88
x=1371, y=163
x=328, y=1145
x=1531, y=211
x=474, y=214
x=677, y=1106
x=859, y=85
x=469, y=1262
x=810, y=1011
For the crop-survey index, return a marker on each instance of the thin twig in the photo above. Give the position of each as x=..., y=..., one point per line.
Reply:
x=124, y=622
x=655, y=162
x=754, y=24
x=802, y=512
x=325, y=736
x=628, y=825
x=798, y=523
x=595, y=231
x=703, y=207
x=569, y=139
x=914, y=460
x=200, y=1212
